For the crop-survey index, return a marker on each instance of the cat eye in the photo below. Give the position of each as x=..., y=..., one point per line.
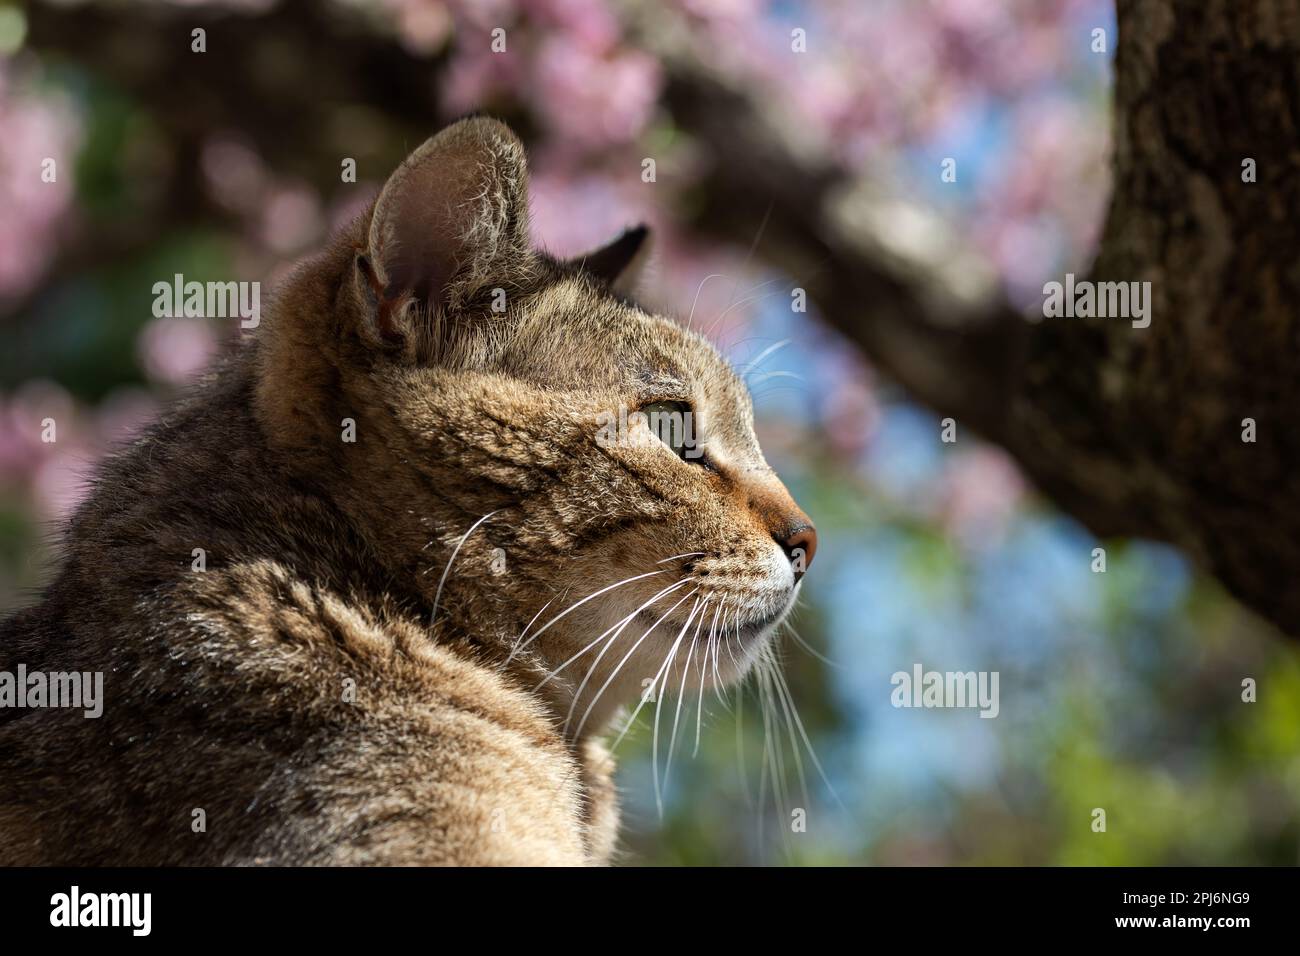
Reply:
x=673, y=423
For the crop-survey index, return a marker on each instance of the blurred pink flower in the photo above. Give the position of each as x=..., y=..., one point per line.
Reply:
x=36, y=400
x=1040, y=213
x=590, y=23
x=23, y=420
x=124, y=414
x=482, y=14
x=424, y=25
x=292, y=218
x=595, y=99
x=981, y=490
x=351, y=204
x=723, y=9
x=978, y=18
x=37, y=126
x=1030, y=54
x=14, y=454
x=850, y=414
x=476, y=75
x=17, y=453
x=54, y=474
x=174, y=350
x=572, y=214
x=236, y=176
x=285, y=217
x=1025, y=251
x=62, y=479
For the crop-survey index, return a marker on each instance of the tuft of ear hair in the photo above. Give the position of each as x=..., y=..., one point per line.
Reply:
x=620, y=262
x=451, y=216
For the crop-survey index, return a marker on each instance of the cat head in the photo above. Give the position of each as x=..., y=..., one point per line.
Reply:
x=561, y=474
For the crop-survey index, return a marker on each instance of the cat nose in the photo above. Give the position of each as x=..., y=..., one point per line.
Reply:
x=799, y=546
x=785, y=521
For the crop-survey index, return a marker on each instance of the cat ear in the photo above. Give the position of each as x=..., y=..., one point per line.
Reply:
x=452, y=215
x=619, y=263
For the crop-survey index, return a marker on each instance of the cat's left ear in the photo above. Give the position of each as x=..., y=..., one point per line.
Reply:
x=620, y=262
x=451, y=218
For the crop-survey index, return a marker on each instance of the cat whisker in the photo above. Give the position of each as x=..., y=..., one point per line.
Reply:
x=784, y=688
x=654, y=683
x=699, y=706
x=740, y=748
x=778, y=684
x=731, y=307
x=767, y=671
x=772, y=388
x=754, y=363
x=809, y=649
x=760, y=379
x=735, y=303
x=539, y=613
x=616, y=629
x=675, y=557
x=574, y=607
x=626, y=657
x=698, y=290
x=659, y=703
x=768, y=759
x=681, y=693
x=717, y=639
x=450, y=561
x=758, y=234
x=717, y=651
x=734, y=630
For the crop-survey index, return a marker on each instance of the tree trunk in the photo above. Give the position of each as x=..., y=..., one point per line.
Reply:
x=1145, y=426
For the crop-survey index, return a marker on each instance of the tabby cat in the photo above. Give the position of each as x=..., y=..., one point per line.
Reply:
x=374, y=591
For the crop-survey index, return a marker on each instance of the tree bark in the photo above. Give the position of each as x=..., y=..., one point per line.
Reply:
x=1146, y=425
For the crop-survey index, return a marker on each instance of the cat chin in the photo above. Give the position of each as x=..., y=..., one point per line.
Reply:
x=749, y=640
x=758, y=632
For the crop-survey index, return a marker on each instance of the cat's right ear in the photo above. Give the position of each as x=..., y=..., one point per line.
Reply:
x=620, y=262
x=450, y=218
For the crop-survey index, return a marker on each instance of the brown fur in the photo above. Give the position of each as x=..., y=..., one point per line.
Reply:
x=225, y=688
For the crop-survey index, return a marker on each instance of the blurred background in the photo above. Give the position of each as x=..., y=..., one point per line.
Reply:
x=1119, y=690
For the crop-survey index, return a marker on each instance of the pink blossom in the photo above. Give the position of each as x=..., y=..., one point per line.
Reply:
x=292, y=218
x=850, y=414
x=24, y=417
x=485, y=15
x=62, y=480
x=174, y=350
x=236, y=176
x=589, y=23
x=724, y=10
x=424, y=25
x=351, y=204
x=124, y=414
x=476, y=75
x=980, y=492
x=571, y=215
x=597, y=100
x=38, y=126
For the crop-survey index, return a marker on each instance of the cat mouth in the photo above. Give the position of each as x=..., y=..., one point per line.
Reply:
x=749, y=632
x=762, y=627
